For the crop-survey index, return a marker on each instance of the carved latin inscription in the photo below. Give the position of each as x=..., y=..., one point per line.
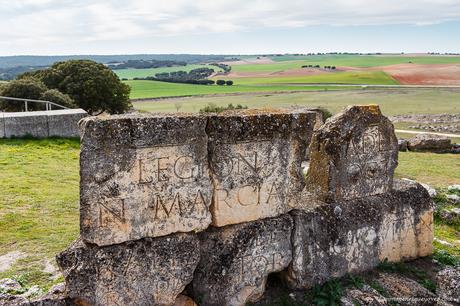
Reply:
x=166, y=189
x=367, y=164
x=250, y=180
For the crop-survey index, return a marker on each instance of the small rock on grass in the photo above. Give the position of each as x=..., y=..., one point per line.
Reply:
x=8, y=285
x=453, y=198
x=450, y=215
x=454, y=188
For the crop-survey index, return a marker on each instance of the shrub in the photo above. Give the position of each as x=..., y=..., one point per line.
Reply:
x=27, y=88
x=325, y=112
x=54, y=95
x=213, y=108
x=220, y=82
x=229, y=83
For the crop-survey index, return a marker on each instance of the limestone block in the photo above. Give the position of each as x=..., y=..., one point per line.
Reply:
x=150, y=271
x=255, y=159
x=353, y=155
x=331, y=240
x=406, y=230
x=18, y=124
x=64, y=123
x=143, y=177
x=236, y=260
x=429, y=142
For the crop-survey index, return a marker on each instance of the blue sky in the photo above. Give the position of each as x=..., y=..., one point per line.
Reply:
x=227, y=27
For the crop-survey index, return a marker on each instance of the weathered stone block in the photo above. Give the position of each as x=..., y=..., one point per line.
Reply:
x=143, y=177
x=64, y=123
x=255, y=158
x=406, y=229
x=18, y=124
x=150, y=271
x=236, y=260
x=353, y=155
x=331, y=240
x=429, y=142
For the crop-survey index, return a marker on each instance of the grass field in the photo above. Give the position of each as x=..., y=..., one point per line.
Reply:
x=368, y=60
x=39, y=198
x=39, y=187
x=438, y=170
x=391, y=101
x=131, y=73
x=347, y=77
x=155, y=89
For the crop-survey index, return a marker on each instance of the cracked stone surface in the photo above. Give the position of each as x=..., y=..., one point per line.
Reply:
x=256, y=158
x=143, y=176
x=332, y=240
x=150, y=176
x=236, y=260
x=150, y=271
x=353, y=155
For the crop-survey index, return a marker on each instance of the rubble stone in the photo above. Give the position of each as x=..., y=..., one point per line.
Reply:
x=236, y=260
x=353, y=155
x=150, y=271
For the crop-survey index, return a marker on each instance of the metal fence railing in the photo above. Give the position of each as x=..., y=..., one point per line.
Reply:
x=48, y=104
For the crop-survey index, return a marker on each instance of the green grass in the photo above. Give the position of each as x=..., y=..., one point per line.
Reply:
x=38, y=202
x=155, y=89
x=367, y=60
x=438, y=170
x=131, y=73
x=347, y=77
x=391, y=101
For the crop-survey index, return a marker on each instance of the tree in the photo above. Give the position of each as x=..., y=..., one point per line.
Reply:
x=220, y=82
x=54, y=95
x=92, y=86
x=27, y=88
x=229, y=83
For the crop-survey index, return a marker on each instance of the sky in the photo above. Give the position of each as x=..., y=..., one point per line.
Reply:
x=64, y=27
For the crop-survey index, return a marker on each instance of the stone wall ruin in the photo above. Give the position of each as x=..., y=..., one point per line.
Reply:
x=209, y=205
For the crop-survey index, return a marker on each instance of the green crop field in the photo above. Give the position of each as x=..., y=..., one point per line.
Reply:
x=153, y=89
x=367, y=60
x=348, y=77
x=131, y=73
x=391, y=101
x=39, y=194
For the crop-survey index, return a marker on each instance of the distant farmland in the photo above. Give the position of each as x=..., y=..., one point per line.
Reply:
x=131, y=73
x=368, y=60
x=285, y=73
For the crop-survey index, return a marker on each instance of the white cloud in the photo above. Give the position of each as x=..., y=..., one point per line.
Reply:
x=24, y=23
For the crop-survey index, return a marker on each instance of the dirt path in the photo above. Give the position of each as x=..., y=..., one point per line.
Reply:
x=431, y=133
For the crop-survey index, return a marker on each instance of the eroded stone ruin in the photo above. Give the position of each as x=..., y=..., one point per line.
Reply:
x=208, y=206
